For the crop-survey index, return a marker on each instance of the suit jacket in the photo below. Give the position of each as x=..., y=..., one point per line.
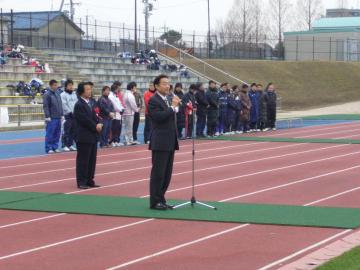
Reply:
x=163, y=136
x=85, y=123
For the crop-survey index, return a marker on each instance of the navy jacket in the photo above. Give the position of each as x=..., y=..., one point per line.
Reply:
x=52, y=104
x=202, y=103
x=85, y=122
x=163, y=136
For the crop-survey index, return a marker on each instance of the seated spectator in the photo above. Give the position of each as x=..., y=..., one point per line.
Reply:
x=184, y=72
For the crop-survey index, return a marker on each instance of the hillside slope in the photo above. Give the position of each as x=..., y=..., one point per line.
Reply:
x=301, y=85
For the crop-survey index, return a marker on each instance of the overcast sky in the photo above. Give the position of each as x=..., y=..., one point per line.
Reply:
x=188, y=15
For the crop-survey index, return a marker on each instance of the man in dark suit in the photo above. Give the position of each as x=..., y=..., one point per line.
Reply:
x=163, y=141
x=87, y=127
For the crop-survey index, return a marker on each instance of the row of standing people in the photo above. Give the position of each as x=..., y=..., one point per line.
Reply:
x=225, y=111
x=116, y=111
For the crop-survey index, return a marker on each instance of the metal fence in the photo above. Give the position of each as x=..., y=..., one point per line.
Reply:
x=51, y=30
x=17, y=115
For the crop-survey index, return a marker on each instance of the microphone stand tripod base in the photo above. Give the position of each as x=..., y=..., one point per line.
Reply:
x=193, y=202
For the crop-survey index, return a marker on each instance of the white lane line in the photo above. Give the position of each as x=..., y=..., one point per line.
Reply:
x=135, y=169
x=125, y=226
x=75, y=239
x=125, y=183
x=108, y=154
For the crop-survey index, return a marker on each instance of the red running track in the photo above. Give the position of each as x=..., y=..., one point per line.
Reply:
x=280, y=173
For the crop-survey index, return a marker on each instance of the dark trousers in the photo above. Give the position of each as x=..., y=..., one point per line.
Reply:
x=68, y=131
x=261, y=125
x=105, y=132
x=211, y=127
x=52, y=137
x=200, y=125
x=115, y=130
x=222, y=122
x=237, y=122
x=86, y=163
x=136, y=125
x=162, y=167
x=190, y=127
x=271, y=115
x=180, y=131
x=147, y=128
x=253, y=125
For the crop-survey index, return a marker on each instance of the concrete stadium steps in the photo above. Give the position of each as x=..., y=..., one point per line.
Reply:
x=17, y=68
x=22, y=76
x=99, y=65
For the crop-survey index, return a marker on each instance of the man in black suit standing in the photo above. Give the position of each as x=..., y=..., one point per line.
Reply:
x=163, y=141
x=87, y=127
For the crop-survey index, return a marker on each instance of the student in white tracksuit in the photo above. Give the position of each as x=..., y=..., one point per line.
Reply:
x=130, y=109
x=69, y=99
x=119, y=109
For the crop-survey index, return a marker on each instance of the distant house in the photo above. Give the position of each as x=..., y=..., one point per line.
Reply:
x=45, y=29
x=330, y=39
x=342, y=12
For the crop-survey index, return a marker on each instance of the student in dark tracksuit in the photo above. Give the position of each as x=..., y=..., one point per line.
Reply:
x=54, y=115
x=231, y=127
x=212, y=97
x=271, y=105
x=202, y=107
x=106, y=114
x=237, y=102
x=190, y=103
x=223, y=109
x=88, y=128
x=262, y=119
x=180, y=115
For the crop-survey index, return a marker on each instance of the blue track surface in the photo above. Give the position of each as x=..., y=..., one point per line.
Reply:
x=37, y=148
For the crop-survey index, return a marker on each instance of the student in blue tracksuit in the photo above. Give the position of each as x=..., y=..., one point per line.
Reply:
x=223, y=108
x=254, y=112
x=54, y=115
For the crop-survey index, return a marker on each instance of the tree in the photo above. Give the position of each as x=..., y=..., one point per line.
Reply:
x=172, y=37
x=309, y=11
x=280, y=9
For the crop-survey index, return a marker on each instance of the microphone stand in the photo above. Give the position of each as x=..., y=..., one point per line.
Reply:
x=193, y=201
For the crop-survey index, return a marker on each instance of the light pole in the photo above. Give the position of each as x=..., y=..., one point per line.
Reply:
x=135, y=39
x=209, y=39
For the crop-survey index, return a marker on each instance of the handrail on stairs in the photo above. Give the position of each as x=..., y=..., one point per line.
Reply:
x=195, y=58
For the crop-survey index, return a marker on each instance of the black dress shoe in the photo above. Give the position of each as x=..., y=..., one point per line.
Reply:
x=83, y=187
x=159, y=206
x=94, y=186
